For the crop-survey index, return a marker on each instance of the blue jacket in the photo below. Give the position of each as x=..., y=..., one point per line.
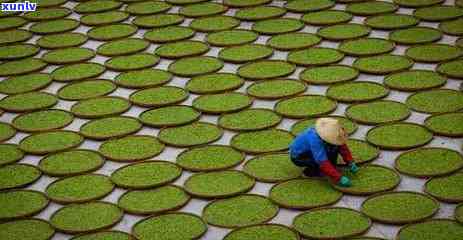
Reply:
x=309, y=145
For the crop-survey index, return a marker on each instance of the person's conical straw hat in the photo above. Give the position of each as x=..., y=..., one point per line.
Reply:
x=331, y=131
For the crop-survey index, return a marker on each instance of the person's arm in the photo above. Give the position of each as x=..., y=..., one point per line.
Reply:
x=345, y=154
x=329, y=170
x=321, y=158
x=347, y=157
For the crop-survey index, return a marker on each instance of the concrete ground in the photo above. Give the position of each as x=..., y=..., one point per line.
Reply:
x=285, y=216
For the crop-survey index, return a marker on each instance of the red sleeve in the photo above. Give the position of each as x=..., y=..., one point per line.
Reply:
x=345, y=153
x=328, y=169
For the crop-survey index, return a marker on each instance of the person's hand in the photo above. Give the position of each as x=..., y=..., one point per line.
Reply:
x=354, y=168
x=344, y=182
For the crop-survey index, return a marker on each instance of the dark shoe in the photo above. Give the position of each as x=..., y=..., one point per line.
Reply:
x=310, y=172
